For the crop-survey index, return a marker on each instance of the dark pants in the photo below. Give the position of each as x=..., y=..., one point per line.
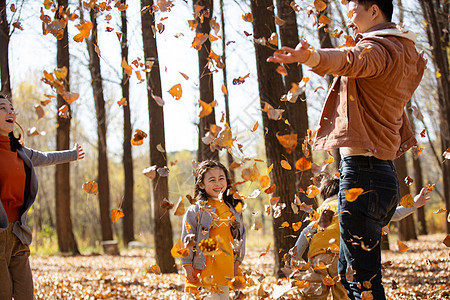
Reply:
x=15, y=272
x=361, y=222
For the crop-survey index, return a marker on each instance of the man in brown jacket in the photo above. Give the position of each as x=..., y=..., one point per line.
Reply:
x=364, y=117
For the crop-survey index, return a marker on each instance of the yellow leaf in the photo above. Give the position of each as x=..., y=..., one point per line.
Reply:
x=353, y=194
x=402, y=247
x=248, y=17
x=155, y=269
x=407, y=201
x=312, y=191
x=224, y=90
x=438, y=74
x=303, y=164
x=285, y=165
x=320, y=5
x=264, y=181
x=126, y=67
x=285, y=224
x=206, y=108
x=178, y=250
x=297, y=226
x=91, y=187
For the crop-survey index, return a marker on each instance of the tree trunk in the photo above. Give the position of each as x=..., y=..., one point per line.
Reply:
x=102, y=168
x=205, y=82
x=225, y=83
x=160, y=188
x=270, y=89
x=64, y=231
x=128, y=198
x=406, y=230
x=436, y=15
x=4, y=50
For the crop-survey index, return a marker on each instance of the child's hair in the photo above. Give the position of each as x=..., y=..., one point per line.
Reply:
x=329, y=187
x=200, y=172
x=15, y=142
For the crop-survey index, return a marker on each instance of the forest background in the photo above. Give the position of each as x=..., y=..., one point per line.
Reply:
x=97, y=72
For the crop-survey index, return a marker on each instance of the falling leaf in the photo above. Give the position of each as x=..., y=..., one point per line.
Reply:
x=13, y=8
x=199, y=39
x=285, y=224
x=271, y=189
x=126, y=67
x=237, y=283
x=70, y=97
x=257, y=225
x=235, y=165
x=274, y=200
x=288, y=141
x=18, y=25
x=163, y=171
x=438, y=74
x=116, y=214
x=255, y=126
x=273, y=39
x=353, y=194
x=179, y=207
x=312, y=191
x=266, y=251
x=320, y=5
x=282, y=70
x=446, y=153
x=328, y=281
x=138, y=138
x=39, y=110
x=440, y=211
x=264, y=181
x=85, y=31
x=366, y=295
x=166, y=204
x=248, y=17
x=423, y=133
x=150, y=172
x=160, y=148
x=402, y=247
x=430, y=187
x=285, y=165
x=155, y=269
x=408, y=180
x=34, y=132
x=303, y=164
x=296, y=226
x=224, y=90
x=407, y=201
x=350, y=273
x=63, y=111
x=123, y=102
x=280, y=22
x=90, y=187
x=324, y=20
x=206, y=108
x=178, y=250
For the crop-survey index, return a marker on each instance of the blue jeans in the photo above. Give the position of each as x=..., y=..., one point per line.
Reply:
x=361, y=221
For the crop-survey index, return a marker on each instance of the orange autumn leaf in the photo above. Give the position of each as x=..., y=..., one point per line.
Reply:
x=70, y=97
x=63, y=111
x=116, y=214
x=288, y=141
x=297, y=226
x=85, y=31
x=324, y=20
x=126, y=67
x=60, y=73
x=255, y=127
x=199, y=39
x=176, y=91
x=206, y=108
x=193, y=24
x=138, y=138
x=178, y=250
x=282, y=70
x=122, y=101
x=237, y=283
x=312, y=191
x=274, y=200
x=328, y=281
x=407, y=201
x=353, y=194
x=402, y=247
x=155, y=269
x=285, y=224
x=18, y=25
x=285, y=165
x=13, y=8
x=224, y=90
x=90, y=187
x=264, y=181
x=270, y=189
x=320, y=5
x=303, y=164
x=248, y=17
x=235, y=165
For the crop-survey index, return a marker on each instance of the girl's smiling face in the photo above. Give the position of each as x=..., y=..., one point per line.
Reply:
x=7, y=117
x=214, y=182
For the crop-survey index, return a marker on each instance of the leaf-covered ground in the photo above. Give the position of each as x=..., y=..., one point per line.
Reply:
x=422, y=272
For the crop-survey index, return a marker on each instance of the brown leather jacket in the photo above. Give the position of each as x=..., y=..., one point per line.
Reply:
x=365, y=105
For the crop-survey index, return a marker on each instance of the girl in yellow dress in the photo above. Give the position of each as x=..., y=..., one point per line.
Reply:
x=214, y=232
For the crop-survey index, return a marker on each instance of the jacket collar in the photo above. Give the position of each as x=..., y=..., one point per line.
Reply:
x=385, y=29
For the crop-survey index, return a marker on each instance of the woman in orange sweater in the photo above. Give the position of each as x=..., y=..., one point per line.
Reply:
x=18, y=189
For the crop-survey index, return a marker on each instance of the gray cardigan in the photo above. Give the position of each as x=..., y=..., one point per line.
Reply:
x=199, y=221
x=32, y=158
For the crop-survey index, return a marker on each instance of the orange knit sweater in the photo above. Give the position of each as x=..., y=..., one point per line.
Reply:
x=12, y=180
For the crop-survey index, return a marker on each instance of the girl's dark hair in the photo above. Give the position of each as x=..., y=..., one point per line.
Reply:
x=329, y=187
x=14, y=142
x=200, y=194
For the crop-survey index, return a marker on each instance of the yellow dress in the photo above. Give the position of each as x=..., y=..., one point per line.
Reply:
x=218, y=266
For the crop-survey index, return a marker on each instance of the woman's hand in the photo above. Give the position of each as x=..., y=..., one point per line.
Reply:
x=421, y=198
x=80, y=151
x=190, y=274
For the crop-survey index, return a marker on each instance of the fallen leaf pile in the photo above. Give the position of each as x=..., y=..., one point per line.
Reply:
x=419, y=273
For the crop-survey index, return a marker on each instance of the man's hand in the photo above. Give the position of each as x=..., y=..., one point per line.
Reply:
x=190, y=274
x=300, y=54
